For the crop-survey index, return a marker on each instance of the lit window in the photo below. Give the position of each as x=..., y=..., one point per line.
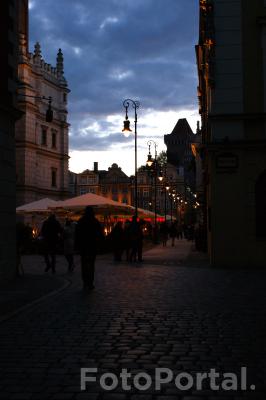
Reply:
x=146, y=193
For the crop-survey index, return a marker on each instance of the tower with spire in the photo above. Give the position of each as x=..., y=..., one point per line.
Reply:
x=41, y=143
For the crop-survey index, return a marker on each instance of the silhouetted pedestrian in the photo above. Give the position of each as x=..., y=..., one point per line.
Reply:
x=136, y=240
x=190, y=232
x=164, y=233
x=23, y=243
x=69, y=243
x=117, y=241
x=173, y=232
x=51, y=231
x=127, y=243
x=179, y=231
x=140, y=240
x=88, y=237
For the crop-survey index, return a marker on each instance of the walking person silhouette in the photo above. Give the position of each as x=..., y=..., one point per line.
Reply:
x=88, y=237
x=50, y=232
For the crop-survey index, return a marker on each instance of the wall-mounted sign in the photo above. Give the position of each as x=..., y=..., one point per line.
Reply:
x=226, y=162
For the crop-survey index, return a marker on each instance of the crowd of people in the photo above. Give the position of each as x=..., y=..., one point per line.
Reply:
x=86, y=237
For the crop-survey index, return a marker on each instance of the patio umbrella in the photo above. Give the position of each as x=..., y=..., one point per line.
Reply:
x=39, y=206
x=99, y=203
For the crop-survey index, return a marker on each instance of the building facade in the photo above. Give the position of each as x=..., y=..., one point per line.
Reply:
x=231, y=59
x=165, y=205
x=13, y=19
x=116, y=185
x=113, y=183
x=41, y=145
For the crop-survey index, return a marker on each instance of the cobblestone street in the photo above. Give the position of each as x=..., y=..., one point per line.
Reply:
x=167, y=312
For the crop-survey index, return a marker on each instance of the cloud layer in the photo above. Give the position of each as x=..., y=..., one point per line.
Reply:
x=117, y=49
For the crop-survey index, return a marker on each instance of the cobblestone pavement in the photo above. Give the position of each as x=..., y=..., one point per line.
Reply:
x=163, y=313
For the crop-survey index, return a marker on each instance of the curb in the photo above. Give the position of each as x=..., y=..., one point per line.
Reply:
x=35, y=302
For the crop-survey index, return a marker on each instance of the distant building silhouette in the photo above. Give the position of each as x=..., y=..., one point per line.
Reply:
x=179, y=152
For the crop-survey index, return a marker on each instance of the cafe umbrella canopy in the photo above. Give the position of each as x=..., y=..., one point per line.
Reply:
x=100, y=204
x=39, y=206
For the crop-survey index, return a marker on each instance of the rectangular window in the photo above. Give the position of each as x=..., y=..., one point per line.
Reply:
x=44, y=137
x=54, y=140
x=91, y=180
x=83, y=190
x=54, y=177
x=146, y=193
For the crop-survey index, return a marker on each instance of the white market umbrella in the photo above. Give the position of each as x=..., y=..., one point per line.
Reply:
x=39, y=206
x=93, y=200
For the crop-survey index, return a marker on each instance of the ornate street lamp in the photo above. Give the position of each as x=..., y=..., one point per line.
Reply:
x=49, y=112
x=152, y=163
x=126, y=130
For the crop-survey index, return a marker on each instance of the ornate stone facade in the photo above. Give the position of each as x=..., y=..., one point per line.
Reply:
x=41, y=146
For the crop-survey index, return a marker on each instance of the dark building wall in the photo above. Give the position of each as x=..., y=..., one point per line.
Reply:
x=9, y=22
x=231, y=58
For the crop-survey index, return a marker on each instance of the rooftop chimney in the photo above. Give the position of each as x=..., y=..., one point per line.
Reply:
x=95, y=168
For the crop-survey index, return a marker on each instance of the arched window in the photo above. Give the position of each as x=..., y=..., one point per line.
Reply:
x=260, y=198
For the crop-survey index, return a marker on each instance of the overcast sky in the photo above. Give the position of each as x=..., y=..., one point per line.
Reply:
x=114, y=50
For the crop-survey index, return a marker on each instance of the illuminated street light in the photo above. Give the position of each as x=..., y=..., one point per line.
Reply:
x=49, y=115
x=152, y=163
x=126, y=130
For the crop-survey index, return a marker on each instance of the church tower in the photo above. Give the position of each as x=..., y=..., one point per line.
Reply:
x=41, y=143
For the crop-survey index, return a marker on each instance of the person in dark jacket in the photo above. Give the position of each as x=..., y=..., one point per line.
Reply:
x=69, y=243
x=117, y=241
x=136, y=240
x=173, y=232
x=50, y=232
x=164, y=233
x=127, y=243
x=88, y=236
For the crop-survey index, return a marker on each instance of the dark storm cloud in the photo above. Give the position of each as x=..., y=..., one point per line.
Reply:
x=115, y=49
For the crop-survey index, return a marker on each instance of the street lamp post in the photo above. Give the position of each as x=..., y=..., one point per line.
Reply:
x=127, y=130
x=49, y=111
x=171, y=204
x=153, y=163
x=161, y=178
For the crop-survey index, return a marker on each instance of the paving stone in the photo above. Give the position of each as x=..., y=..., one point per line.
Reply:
x=184, y=318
